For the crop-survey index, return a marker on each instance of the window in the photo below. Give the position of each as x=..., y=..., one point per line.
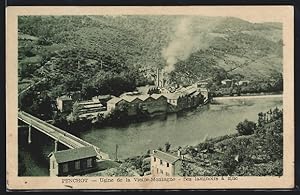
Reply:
x=161, y=171
x=77, y=165
x=154, y=159
x=156, y=170
x=65, y=167
x=167, y=174
x=89, y=163
x=161, y=162
x=167, y=164
x=53, y=164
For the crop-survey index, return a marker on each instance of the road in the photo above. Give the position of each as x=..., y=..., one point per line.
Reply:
x=52, y=131
x=247, y=97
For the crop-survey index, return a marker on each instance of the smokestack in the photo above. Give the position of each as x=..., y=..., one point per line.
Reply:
x=179, y=153
x=157, y=77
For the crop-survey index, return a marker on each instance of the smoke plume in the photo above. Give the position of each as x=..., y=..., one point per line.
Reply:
x=189, y=37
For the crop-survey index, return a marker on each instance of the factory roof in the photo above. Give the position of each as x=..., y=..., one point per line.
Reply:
x=156, y=96
x=171, y=95
x=114, y=100
x=144, y=97
x=129, y=98
x=93, y=105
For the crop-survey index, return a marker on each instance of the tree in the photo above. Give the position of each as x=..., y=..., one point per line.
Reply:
x=246, y=127
x=167, y=146
x=260, y=120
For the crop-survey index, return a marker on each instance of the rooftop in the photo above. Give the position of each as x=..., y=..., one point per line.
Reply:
x=144, y=97
x=156, y=96
x=171, y=95
x=114, y=100
x=129, y=98
x=165, y=156
x=64, y=97
x=74, y=154
x=102, y=97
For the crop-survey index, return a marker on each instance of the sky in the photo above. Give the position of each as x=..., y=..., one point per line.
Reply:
x=249, y=13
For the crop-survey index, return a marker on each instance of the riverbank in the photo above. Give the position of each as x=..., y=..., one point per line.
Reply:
x=255, y=152
x=187, y=129
x=250, y=96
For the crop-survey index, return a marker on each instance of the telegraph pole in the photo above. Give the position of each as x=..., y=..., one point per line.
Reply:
x=117, y=152
x=29, y=134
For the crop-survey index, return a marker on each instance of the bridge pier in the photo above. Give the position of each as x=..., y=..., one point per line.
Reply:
x=29, y=134
x=55, y=145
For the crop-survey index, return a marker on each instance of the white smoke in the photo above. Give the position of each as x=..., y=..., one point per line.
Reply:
x=189, y=37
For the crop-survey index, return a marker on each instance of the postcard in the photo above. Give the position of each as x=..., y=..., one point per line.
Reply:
x=157, y=97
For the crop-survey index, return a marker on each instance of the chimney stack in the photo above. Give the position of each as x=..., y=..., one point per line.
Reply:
x=157, y=77
x=179, y=153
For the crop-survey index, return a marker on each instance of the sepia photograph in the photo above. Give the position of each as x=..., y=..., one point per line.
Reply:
x=151, y=96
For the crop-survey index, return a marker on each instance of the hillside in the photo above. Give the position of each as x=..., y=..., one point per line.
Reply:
x=255, y=150
x=75, y=50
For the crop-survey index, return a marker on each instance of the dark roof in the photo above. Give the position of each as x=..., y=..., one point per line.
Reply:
x=165, y=156
x=74, y=154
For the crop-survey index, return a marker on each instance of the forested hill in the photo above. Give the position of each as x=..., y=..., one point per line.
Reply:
x=95, y=54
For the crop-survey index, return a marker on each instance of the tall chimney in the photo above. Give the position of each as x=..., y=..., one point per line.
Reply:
x=179, y=153
x=157, y=77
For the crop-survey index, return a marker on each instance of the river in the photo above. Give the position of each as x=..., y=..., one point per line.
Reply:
x=189, y=128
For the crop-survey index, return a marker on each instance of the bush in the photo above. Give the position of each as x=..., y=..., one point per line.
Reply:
x=246, y=127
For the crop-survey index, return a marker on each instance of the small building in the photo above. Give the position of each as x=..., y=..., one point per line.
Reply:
x=64, y=103
x=103, y=99
x=172, y=98
x=243, y=83
x=165, y=164
x=71, y=162
x=88, y=109
x=201, y=84
x=226, y=82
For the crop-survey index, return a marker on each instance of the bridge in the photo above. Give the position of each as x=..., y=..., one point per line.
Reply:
x=57, y=134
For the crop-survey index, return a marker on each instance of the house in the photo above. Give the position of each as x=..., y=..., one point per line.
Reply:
x=75, y=161
x=165, y=164
x=243, y=83
x=64, y=103
x=226, y=82
x=172, y=98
